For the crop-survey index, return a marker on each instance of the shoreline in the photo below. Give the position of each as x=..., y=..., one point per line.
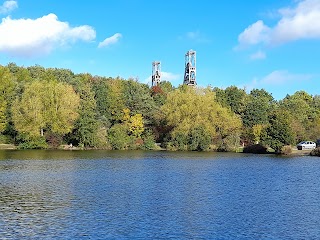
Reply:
x=7, y=147
x=295, y=152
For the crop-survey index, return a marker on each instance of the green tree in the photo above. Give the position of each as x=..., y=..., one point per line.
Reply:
x=221, y=96
x=20, y=73
x=279, y=132
x=158, y=95
x=166, y=86
x=86, y=125
x=118, y=137
x=148, y=139
x=199, y=139
x=61, y=75
x=110, y=99
x=37, y=72
x=138, y=99
x=236, y=98
x=260, y=104
x=302, y=114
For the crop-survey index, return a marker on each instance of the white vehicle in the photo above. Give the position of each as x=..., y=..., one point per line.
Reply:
x=306, y=145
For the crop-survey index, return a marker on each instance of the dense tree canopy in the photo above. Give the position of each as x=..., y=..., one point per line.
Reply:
x=46, y=107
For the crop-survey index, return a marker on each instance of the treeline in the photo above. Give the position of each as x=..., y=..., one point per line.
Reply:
x=47, y=108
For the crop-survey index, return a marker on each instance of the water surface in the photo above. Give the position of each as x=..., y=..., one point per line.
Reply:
x=157, y=195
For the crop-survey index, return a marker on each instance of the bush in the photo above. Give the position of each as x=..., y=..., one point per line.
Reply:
x=256, y=148
x=54, y=140
x=286, y=150
x=229, y=144
x=118, y=137
x=101, y=141
x=177, y=142
x=199, y=139
x=315, y=152
x=34, y=143
x=4, y=139
x=148, y=140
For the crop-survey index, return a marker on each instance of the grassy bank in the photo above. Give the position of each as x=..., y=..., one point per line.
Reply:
x=7, y=146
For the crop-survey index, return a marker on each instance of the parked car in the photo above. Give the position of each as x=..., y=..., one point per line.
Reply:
x=318, y=143
x=306, y=145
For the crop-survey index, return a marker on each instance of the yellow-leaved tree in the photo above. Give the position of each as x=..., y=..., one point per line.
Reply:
x=7, y=86
x=45, y=106
x=257, y=131
x=3, y=111
x=198, y=121
x=136, y=125
x=28, y=112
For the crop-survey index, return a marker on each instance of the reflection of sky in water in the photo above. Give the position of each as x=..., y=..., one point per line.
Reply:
x=148, y=195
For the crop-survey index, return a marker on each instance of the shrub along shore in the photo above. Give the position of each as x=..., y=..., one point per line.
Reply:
x=50, y=107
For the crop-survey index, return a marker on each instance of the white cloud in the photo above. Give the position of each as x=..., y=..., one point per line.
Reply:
x=299, y=22
x=302, y=22
x=8, y=6
x=258, y=55
x=110, y=40
x=37, y=37
x=254, y=34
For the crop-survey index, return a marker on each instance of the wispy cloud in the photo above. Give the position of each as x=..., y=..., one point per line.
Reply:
x=171, y=77
x=38, y=37
x=259, y=55
x=110, y=40
x=281, y=77
x=166, y=76
x=8, y=6
x=277, y=78
x=299, y=22
x=195, y=36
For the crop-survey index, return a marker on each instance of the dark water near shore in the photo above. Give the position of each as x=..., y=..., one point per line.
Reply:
x=157, y=195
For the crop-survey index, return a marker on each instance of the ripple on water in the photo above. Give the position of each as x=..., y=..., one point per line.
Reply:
x=157, y=195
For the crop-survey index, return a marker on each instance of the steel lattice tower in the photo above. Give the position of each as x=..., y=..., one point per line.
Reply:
x=156, y=73
x=190, y=68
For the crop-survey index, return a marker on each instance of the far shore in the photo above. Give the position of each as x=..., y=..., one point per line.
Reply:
x=295, y=151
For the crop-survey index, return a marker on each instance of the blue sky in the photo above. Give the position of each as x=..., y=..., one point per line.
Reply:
x=272, y=44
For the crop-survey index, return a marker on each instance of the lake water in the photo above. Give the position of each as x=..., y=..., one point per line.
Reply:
x=157, y=195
